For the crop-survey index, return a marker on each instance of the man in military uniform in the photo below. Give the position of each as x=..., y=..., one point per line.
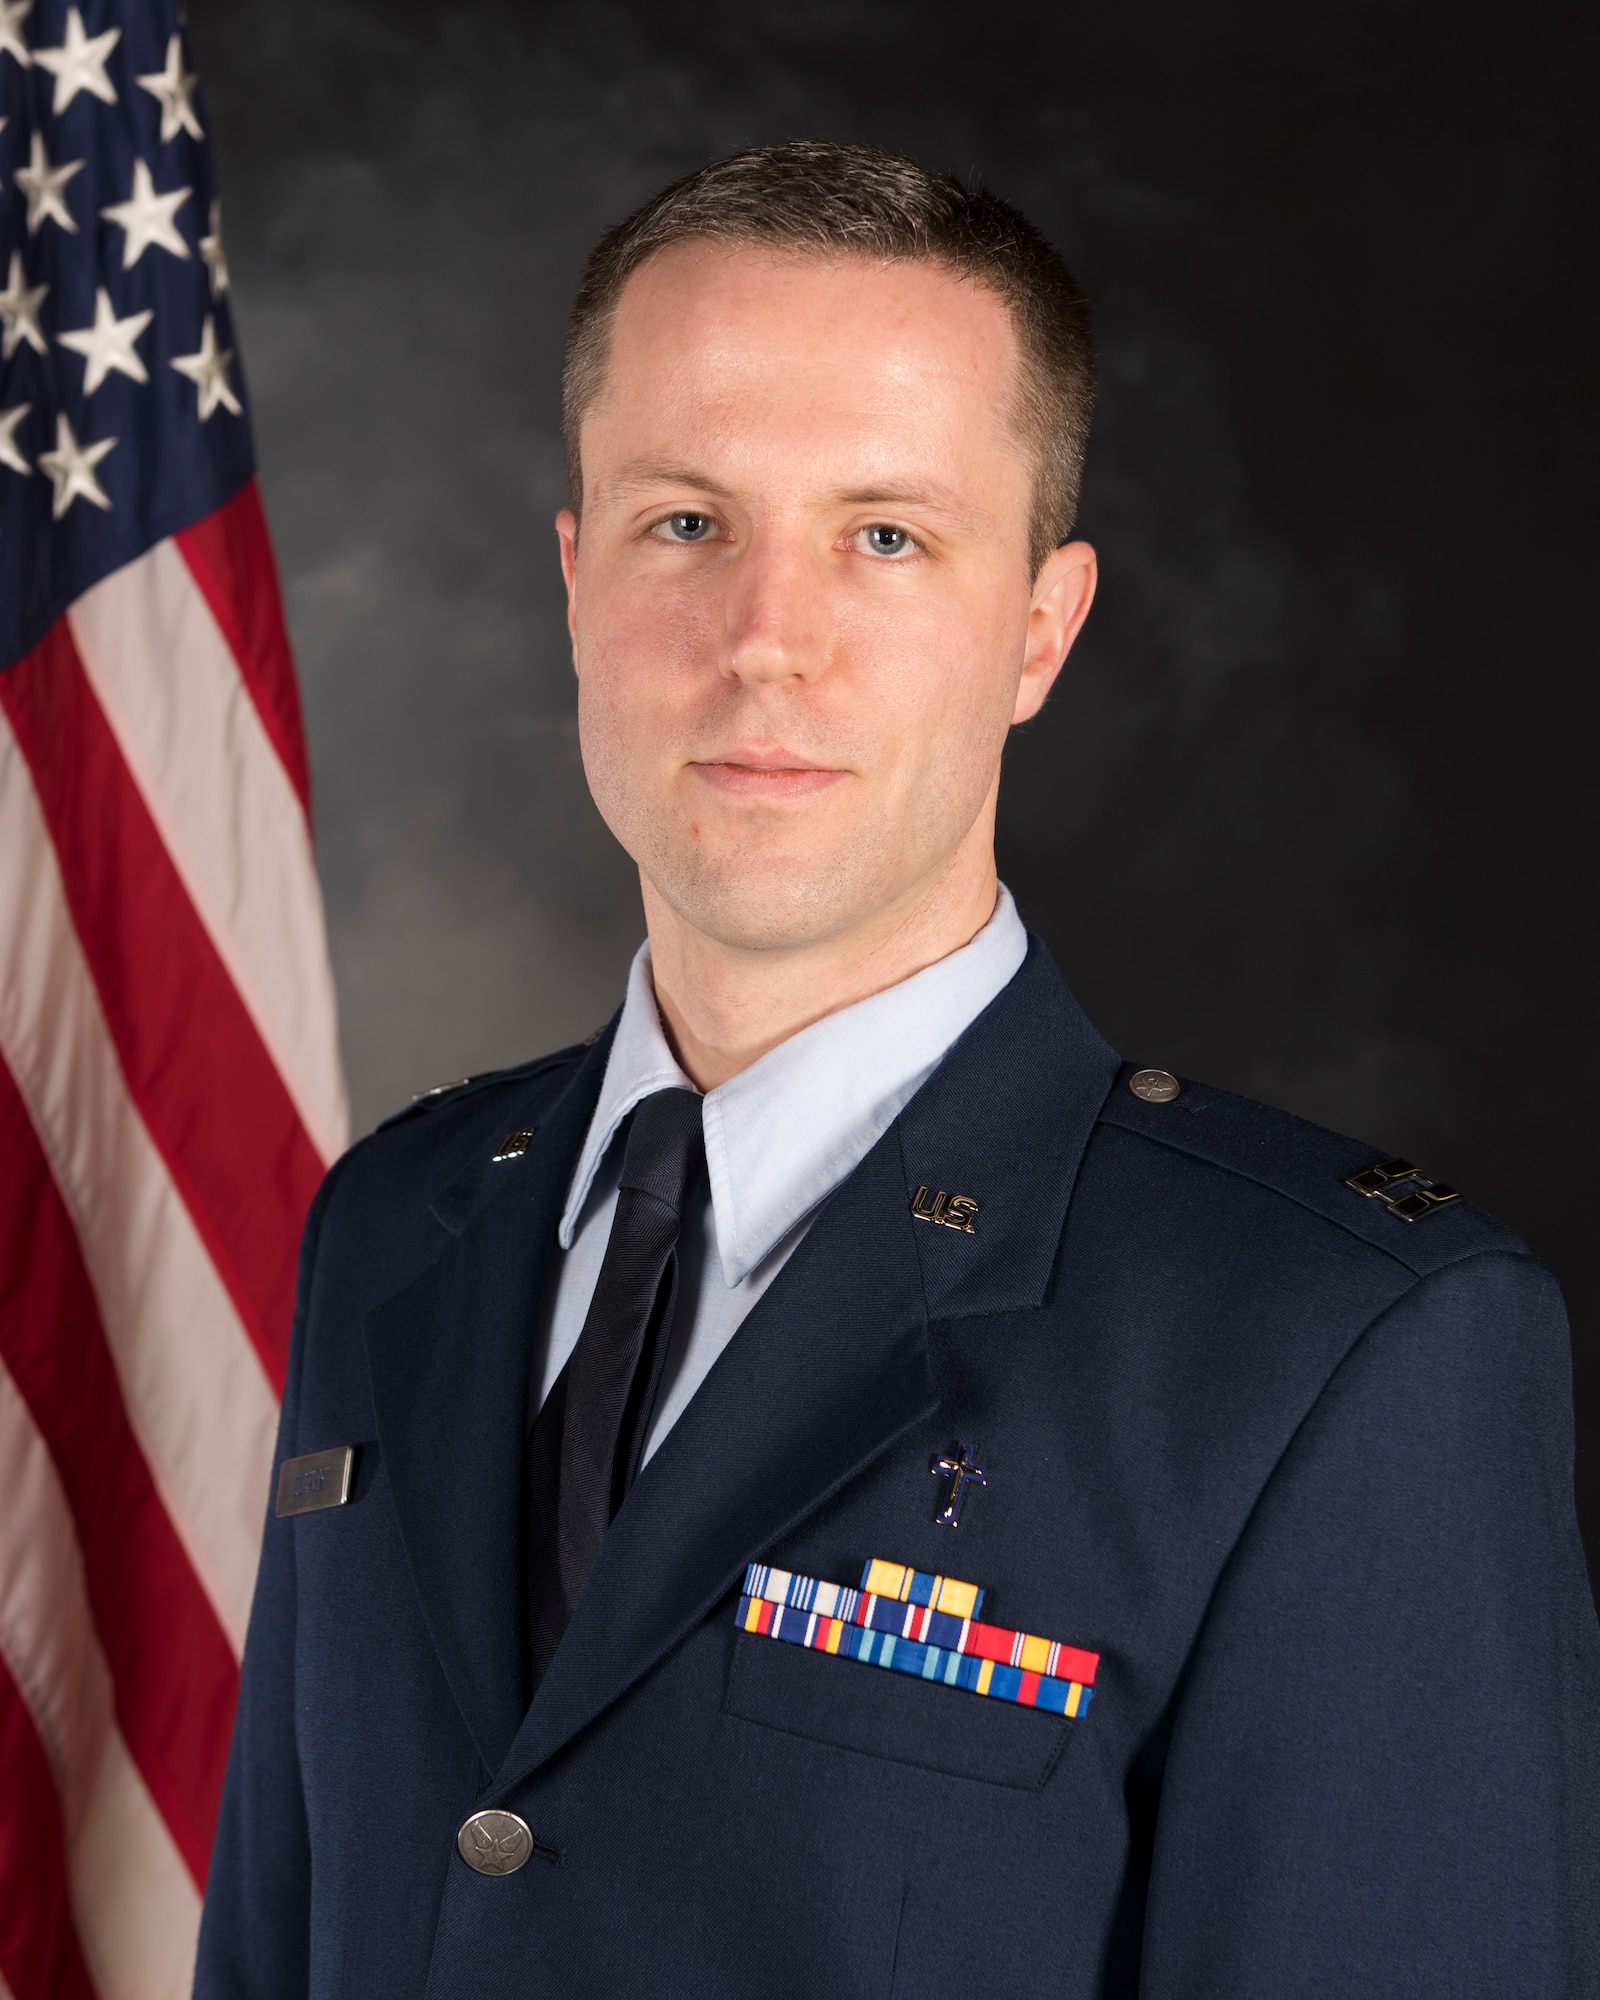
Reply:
x=841, y=1484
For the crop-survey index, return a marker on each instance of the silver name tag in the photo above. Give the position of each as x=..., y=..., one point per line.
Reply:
x=319, y=1479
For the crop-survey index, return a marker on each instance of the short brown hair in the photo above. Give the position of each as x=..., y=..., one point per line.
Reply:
x=811, y=197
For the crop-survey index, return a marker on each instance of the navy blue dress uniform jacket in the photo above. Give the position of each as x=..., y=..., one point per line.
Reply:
x=1298, y=1470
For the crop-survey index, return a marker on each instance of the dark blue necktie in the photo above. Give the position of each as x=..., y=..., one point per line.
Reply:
x=587, y=1441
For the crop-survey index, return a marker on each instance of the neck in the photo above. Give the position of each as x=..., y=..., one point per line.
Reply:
x=723, y=1007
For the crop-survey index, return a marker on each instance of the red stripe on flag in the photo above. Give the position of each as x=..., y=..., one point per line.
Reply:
x=40, y=1956
x=229, y=554
x=206, y=1088
x=172, y=1671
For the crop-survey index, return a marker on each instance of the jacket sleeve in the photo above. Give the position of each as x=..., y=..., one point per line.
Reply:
x=255, y=1924
x=1383, y=1775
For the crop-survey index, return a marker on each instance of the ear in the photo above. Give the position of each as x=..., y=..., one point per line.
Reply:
x=1062, y=594
x=567, y=535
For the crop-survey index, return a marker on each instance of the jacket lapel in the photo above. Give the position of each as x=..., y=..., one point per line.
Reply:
x=449, y=1361
x=832, y=1366
x=1005, y=1120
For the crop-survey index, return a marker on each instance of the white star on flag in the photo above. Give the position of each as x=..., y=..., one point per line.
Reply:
x=9, y=454
x=19, y=312
x=71, y=468
x=12, y=15
x=208, y=370
x=213, y=254
x=108, y=344
x=79, y=63
x=43, y=184
x=147, y=218
x=173, y=87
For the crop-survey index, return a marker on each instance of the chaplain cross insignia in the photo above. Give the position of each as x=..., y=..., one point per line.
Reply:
x=958, y=1470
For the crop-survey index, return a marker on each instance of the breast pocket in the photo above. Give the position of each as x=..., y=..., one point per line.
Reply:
x=883, y=1714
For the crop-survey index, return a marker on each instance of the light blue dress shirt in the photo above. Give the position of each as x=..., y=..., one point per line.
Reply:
x=780, y=1137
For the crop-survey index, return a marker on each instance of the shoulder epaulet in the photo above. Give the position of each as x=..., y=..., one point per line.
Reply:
x=471, y=1086
x=1387, y=1202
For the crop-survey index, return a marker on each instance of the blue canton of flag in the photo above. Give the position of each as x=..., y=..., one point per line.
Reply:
x=122, y=407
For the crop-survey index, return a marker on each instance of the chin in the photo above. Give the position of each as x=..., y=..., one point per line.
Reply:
x=768, y=904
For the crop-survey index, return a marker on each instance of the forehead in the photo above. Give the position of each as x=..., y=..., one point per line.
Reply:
x=748, y=347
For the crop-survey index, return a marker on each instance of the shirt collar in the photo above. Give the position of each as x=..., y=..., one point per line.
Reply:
x=782, y=1134
x=639, y=1064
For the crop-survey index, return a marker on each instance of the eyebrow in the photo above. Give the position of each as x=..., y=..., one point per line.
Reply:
x=666, y=472
x=675, y=472
x=897, y=496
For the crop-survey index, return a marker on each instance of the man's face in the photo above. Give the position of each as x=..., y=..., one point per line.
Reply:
x=801, y=608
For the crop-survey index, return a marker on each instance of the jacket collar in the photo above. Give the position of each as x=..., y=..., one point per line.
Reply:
x=1005, y=1120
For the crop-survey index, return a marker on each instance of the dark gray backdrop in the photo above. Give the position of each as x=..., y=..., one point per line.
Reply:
x=1307, y=815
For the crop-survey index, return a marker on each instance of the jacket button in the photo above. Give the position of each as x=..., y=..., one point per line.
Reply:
x=1155, y=1086
x=495, y=1843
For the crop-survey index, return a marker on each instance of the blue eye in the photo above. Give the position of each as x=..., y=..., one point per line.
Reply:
x=886, y=541
x=689, y=527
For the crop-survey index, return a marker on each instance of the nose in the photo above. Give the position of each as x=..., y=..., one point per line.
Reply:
x=774, y=613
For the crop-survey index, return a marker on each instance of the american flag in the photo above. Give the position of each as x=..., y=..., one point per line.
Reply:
x=170, y=1088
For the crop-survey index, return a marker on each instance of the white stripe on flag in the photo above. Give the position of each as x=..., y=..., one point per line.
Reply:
x=46, y=1630
x=137, y=1911
x=230, y=819
x=198, y=1400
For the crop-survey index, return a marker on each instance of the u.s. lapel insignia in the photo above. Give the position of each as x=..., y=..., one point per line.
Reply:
x=950, y=1211
x=926, y=1626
